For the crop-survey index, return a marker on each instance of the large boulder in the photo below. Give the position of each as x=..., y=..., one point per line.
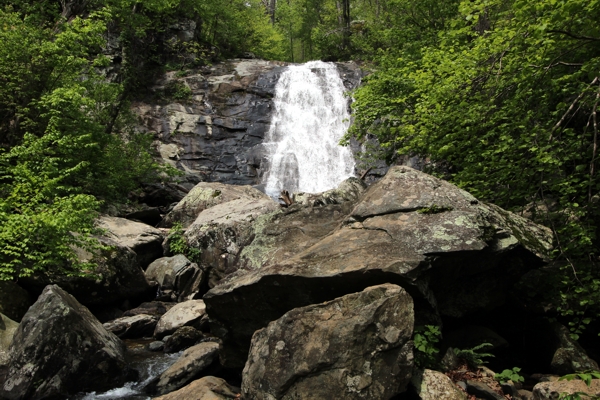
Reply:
x=60, y=348
x=206, y=195
x=8, y=327
x=143, y=239
x=116, y=277
x=156, y=308
x=189, y=313
x=188, y=367
x=179, y=274
x=279, y=235
x=452, y=253
x=221, y=232
x=207, y=388
x=14, y=300
x=354, y=347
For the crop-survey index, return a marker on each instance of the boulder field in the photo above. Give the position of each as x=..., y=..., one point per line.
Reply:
x=322, y=299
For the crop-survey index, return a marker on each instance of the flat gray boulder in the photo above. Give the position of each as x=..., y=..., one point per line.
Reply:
x=188, y=367
x=206, y=195
x=61, y=349
x=137, y=326
x=207, y=388
x=452, y=253
x=354, y=347
x=188, y=313
x=143, y=239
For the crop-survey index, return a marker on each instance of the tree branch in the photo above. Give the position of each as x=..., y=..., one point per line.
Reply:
x=574, y=36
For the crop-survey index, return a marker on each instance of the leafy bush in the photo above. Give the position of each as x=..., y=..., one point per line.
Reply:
x=509, y=375
x=426, y=339
x=179, y=245
x=472, y=356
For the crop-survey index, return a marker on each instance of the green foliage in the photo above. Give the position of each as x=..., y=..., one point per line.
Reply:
x=510, y=375
x=472, y=356
x=504, y=95
x=585, y=376
x=178, y=90
x=426, y=339
x=179, y=245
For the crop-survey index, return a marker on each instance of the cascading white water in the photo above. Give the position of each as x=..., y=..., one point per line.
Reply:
x=310, y=117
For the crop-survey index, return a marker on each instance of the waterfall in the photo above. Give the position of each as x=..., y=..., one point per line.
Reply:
x=310, y=117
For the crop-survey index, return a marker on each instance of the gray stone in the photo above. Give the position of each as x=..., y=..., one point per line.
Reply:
x=192, y=362
x=188, y=313
x=434, y=385
x=452, y=253
x=60, y=348
x=8, y=327
x=143, y=239
x=553, y=390
x=156, y=346
x=141, y=325
x=184, y=337
x=222, y=232
x=354, y=347
x=206, y=195
x=179, y=274
x=569, y=356
x=207, y=388
x=483, y=391
x=156, y=308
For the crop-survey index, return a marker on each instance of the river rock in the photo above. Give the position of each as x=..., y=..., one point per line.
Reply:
x=14, y=300
x=8, y=327
x=452, y=253
x=138, y=326
x=192, y=363
x=60, y=348
x=156, y=308
x=143, y=239
x=179, y=274
x=569, y=356
x=184, y=337
x=206, y=195
x=553, y=390
x=434, y=385
x=222, y=231
x=354, y=347
x=188, y=313
x=349, y=190
x=207, y=388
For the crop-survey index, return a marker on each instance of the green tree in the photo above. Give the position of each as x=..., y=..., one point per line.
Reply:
x=504, y=103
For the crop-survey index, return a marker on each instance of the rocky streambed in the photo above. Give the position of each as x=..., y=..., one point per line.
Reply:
x=318, y=300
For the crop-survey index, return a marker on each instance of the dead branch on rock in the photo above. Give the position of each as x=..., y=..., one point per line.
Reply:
x=286, y=198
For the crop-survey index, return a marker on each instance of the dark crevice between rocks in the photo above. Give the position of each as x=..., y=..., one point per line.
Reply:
x=363, y=218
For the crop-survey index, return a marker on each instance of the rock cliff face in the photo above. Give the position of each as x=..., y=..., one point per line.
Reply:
x=210, y=122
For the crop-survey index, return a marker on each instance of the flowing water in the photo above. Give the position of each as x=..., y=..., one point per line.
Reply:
x=310, y=117
x=149, y=365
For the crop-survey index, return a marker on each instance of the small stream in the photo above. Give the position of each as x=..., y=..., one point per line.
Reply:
x=149, y=366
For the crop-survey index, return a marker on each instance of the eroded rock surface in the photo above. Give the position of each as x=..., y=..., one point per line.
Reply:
x=191, y=363
x=60, y=348
x=188, y=313
x=206, y=195
x=207, y=388
x=434, y=385
x=179, y=274
x=137, y=326
x=453, y=254
x=143, y=239
x=354, y=347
